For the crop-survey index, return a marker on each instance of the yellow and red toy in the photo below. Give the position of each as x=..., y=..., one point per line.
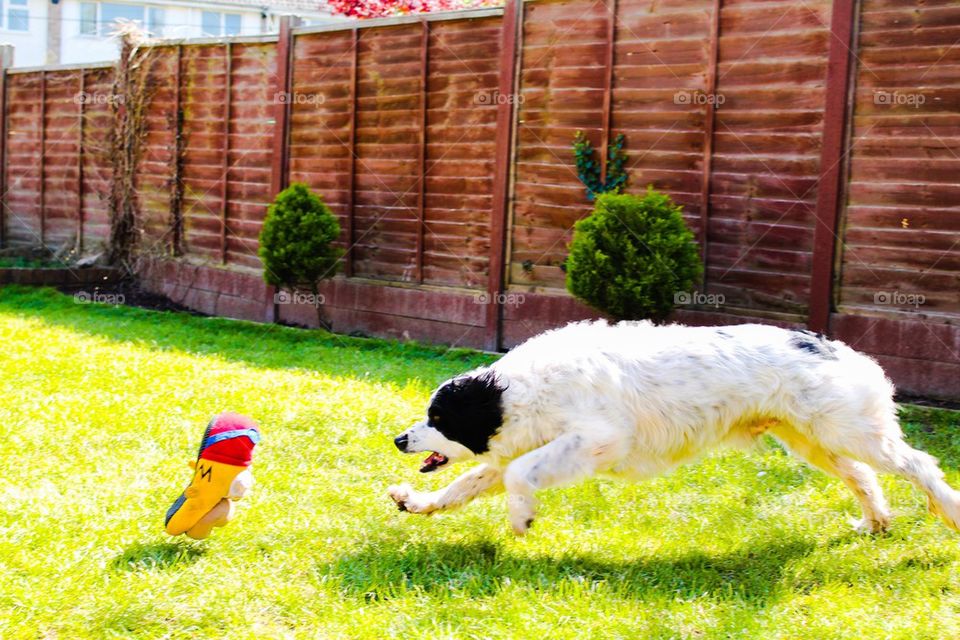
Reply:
x=221, y=476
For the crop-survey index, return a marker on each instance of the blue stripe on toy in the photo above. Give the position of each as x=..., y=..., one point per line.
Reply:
x=174, y=508
x=206, y=432
x=253, y=434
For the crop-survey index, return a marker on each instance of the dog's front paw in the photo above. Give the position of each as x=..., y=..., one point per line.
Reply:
x=400, y=494
x=409, y=500
x=522, y=510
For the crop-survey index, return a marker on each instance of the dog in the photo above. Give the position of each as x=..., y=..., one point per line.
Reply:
x=632, y=400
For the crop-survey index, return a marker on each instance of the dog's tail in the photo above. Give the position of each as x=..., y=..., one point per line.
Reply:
x=922, y=470
x=942, y=499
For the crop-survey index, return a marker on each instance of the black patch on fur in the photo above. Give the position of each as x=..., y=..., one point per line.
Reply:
x=815, y=343
x=469, y=410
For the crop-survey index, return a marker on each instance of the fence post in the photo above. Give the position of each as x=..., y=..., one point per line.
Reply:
x=281, y=107
x=6, y=60
x=43, y=144
x=81, y=99
x=709, y=123
x=281, y=130
x=509, y=34
x=422, y=154
x=176, y=170
x=225, y=150
x=607, y=87
x=831, y=162
x=352, y=157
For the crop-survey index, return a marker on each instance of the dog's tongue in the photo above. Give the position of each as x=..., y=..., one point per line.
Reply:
x=433, y=461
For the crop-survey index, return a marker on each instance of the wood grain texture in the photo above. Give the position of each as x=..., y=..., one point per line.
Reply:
x=765, y=137
x=97, y=170
x=381, y=175
x=771, y=79
x=245, y=171
x=155, y=174
x=23, y=157
x=901, y=236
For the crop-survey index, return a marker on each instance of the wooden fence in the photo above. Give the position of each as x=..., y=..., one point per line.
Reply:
x=812, y=145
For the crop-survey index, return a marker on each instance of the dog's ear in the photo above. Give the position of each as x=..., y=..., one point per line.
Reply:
x=470, y=408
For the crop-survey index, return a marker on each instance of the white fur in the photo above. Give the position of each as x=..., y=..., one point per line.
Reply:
x=633, y=400
x=423, y=437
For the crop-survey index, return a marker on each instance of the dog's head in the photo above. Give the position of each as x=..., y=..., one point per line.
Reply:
x=464, y=413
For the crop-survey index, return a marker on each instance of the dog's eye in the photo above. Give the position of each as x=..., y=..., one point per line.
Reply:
x=434, y=418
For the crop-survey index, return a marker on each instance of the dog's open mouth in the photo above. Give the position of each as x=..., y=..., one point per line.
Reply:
x=433, y=461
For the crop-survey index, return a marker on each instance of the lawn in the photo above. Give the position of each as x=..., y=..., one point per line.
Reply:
x=101, y=407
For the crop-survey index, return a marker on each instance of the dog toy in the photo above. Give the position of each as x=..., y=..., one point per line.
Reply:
x=221, y=475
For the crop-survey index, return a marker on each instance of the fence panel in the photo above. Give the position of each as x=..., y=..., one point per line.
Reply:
x=95, y=159
x=902, y=227
x=423, y=102
x=763, y=190
x=460, y=150
x=562, y=51
x=24, y=157
x=155, y=175
x=61, y=169
x=247, y=174
x=660, y=76
x=388, y=147
x=321, y=102
x=204, y=103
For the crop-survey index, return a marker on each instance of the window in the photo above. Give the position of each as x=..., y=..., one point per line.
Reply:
x=99, y=18
x=214, y=23
x=88, y=18
x=231, y=24
x=18, y=18
x=210, y=23
x=110, y=12
x=155, y=21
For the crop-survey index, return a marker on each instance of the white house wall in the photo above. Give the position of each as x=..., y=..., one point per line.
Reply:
x=183, y=19
x=29, y=47
x=182, y=22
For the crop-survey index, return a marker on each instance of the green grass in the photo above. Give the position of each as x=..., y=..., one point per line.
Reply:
x=101, y=407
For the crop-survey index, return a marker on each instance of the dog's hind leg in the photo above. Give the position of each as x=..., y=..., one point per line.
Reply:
x=563, y=461
x=888, y=452
x=481, y=479
x=859, y=477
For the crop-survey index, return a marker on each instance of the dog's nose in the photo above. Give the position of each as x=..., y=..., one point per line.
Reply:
x=401, y=442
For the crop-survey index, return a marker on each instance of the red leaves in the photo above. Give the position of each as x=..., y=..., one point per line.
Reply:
x=381, y=8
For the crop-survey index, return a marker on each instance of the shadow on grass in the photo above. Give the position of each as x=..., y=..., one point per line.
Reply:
x=752, y=573
x=158, y=555
x=259, y=345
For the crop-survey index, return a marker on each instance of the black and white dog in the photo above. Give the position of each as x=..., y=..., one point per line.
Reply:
x=633, y=400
